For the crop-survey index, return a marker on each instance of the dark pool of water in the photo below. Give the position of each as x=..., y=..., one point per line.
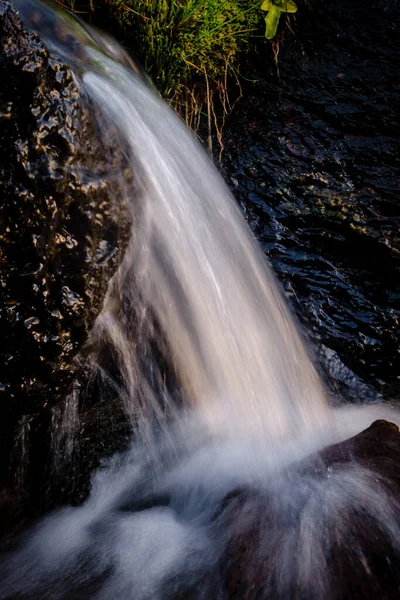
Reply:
x=312, y=156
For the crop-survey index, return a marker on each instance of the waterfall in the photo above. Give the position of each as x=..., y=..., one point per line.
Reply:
x=236, y=348
x=194, y=266
x=194, y=283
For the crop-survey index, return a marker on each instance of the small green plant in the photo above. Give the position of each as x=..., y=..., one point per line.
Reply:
x=190, y=48
x=274, y=8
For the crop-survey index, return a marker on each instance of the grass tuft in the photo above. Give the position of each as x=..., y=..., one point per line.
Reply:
x=190, y=48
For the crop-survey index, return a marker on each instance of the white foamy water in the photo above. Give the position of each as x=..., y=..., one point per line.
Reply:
x=160, y=526
x=234, y=344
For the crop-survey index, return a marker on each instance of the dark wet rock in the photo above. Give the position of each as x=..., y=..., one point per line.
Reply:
x=60, y=240
x=312, y=155
x=326, y=538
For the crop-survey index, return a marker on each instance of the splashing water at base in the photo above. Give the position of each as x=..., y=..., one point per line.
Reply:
x=159, y=521
x=171, y=524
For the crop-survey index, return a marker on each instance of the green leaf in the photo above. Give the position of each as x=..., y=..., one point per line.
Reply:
x=288, y=6
x=271, y=21
x=266, y=5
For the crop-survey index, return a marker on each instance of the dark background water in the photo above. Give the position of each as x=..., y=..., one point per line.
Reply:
x=312, y=155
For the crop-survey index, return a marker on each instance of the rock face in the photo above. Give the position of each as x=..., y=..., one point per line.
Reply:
x=334, y=535
x=60, y=239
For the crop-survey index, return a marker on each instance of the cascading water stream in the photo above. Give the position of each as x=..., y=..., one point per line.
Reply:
x=150, y=528
x=235, y=346
x=194, y=265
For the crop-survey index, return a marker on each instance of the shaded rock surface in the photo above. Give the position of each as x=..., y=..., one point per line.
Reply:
x=332, y=536
x=60, y=242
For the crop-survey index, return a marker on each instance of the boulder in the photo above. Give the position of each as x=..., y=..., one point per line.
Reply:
x=60, y=242
x=329, y=529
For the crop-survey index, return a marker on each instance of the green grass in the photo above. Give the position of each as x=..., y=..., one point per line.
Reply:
x=190, y=48
x=185, y=38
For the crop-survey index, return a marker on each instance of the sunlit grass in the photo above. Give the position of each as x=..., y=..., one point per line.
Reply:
x=190, y=48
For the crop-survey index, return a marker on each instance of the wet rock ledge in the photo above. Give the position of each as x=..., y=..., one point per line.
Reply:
x=60, y=242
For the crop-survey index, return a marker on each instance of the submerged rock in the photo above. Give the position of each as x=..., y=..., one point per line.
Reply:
x=332, y=532
x=60, y=240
